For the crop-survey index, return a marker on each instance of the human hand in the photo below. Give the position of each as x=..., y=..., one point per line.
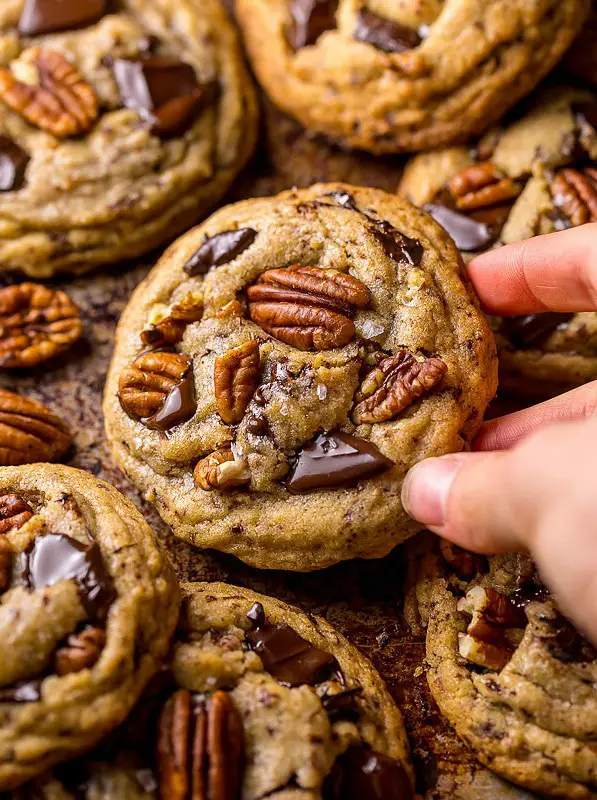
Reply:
x=532, y=482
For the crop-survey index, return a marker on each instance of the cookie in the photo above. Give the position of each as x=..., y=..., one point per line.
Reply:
x=580, y=62
x=389, y=77
x=119, y=127
x=286, y=363
x=89, y=604
x=276, y=703
x=535, y=175
x=510, y=673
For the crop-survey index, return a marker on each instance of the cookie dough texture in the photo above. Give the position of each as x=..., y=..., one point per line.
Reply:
x=423, y=309
x=531, y=152
x=474, y=60
x=61, y=714
x=120, y=190
x=532, y=721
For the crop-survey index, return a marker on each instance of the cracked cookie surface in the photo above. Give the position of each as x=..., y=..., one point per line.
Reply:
x=337, y=345
x=389, y=77
x=82, y=587
x=110, y=144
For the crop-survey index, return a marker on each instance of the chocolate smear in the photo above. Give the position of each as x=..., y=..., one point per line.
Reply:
x=383, y=33
x=468, y=234
x=342, y=705
x=55, y=557
x=334, y=459
x=397, y=245
x=179, y=406
x=219, y=249
x=287, y=656
x=310, y=18
x=527, y=332
x=363, y=773
x=22, y=692
x=48, y=16
x=13, y=163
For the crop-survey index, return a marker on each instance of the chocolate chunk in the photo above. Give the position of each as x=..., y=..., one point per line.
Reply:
x=49, y=16
x=180, y=405
x=22, y=692
x=362, y=773
x=257, y=615
x=55, y=557
x=335, y=459
x=468, y=234
x=343, y=705
x=396, y=244
x=164, y=91
x=219, y=249
x=258, y=426
x=344, y=199
x=13, y=163
x=385, y=34
x=310, y=18
x=529, y=331
x=288, y=657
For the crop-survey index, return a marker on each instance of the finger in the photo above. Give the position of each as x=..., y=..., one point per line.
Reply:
x=555, y=272
x=504, y=432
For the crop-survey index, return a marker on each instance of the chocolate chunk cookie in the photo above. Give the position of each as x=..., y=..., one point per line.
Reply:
x=262, y=700
x=120, y=124
x=88, y=606
x=536, y=175
x=511, y=674
x=286, y=363
x=389, y=77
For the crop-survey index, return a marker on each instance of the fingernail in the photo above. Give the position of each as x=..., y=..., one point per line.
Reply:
x=426, y=489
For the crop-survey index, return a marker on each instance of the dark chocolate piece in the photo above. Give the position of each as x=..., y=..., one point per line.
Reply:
x=287, y=656
x=468, y=234
x=383, y=33
x=219, y=249
x=180, y=405
x=310, y=18
x=257, y=615
x=344, y=199
x=22, y=692
x=54, y=557
x=343, y=705
x=334, y=459
x=49, y=16
x=397, y=245
x=527, y=332
x=13, y=163
x=362, y=773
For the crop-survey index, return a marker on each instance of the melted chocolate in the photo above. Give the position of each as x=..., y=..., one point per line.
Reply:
x=164, y=91
x=343, y=705
x=256, y=614
x=469, y=235
x=287, y=656
x=310, y=18
x=334, y=459
x=180, y=405
x=55, y=557
x=397, y=245
x=219, y=249
x=344, y=199
x=49, y=16
x=22, y=692
x=529, y=331
x=383, y=33
x=362, y=773
x=13, y=164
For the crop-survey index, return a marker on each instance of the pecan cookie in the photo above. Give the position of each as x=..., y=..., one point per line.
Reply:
x=88, y=605
x=511, y=674
x=328, y=344
x=262, y=700
x=535, y=175
x=389, y=77
x=120, y=125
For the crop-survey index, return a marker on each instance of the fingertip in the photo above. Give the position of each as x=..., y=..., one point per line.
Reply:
x=427, y=487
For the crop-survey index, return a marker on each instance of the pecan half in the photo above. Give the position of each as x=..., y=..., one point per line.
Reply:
x=220, y=470
x=575, y=192
x=307, y=307
x=49, y=92
x=480, y=186
x=171, y=328
x=200, y=748
x=14, y=512
x=236, y=375
x=29, y=432
x=6, y=558
x=36, y=323
x=394, y=385
x=81, y=651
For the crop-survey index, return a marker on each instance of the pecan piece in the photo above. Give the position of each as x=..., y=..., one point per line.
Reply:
x=49, y=92
x=220, y=470
x=200, y=748
x=81, y=651
x=171, y=328
x=480, y=186
x=36, y=323
x=394, y=385
x=29, y=432
x=575, y=192
x=6, y=558
x=236, y=375
x=14, y=512
x=307, y=307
